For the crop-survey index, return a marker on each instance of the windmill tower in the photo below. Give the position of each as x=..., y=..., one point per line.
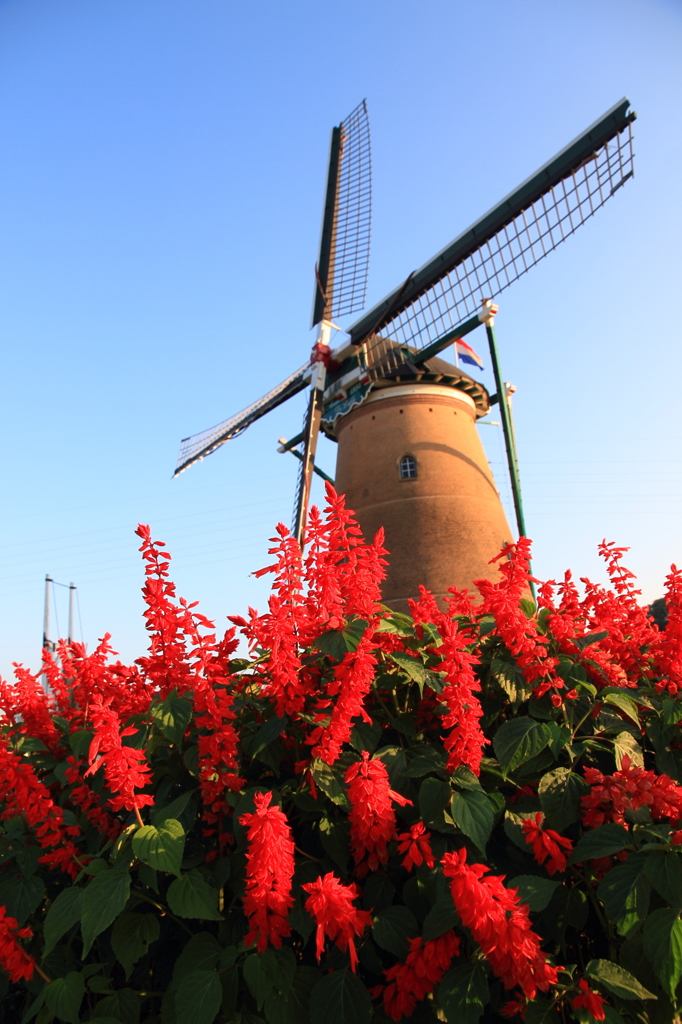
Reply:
x=409, y=456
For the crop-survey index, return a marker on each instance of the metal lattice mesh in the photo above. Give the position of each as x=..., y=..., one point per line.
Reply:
x=196, y=447
x=350, y=241
x=507, y=255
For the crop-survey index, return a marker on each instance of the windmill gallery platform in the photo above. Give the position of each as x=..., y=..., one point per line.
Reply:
x=410, y=460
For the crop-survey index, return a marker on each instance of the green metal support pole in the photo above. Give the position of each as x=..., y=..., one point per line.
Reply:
x=508, y=429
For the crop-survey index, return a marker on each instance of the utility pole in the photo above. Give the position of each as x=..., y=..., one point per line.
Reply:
x=72, y=592
x=47, y=643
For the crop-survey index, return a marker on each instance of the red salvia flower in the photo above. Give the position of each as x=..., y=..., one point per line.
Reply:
x=24, y=795
x=667, y=650
x=416, y=847
x=89, y=801
x=411, y=981
x=372, y=818
x=330, y=904
x=125, y=768
x=269, y=871
x=13, y=957
x=499, y=922
x=631, y=787
x=547, y=844
x=465, y=741
x=345, y=693
x=520, y=634
x=588, y=999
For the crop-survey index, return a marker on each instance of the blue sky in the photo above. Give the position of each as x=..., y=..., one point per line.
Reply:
x=161, y=190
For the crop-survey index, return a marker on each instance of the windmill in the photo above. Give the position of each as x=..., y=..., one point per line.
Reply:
x=409, y=457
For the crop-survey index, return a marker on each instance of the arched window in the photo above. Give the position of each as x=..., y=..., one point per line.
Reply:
x=408, y=467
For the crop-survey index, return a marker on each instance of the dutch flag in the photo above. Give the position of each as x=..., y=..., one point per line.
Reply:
x=466, y=354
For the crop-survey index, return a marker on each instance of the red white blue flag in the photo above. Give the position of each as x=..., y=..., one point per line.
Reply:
x=467, y=355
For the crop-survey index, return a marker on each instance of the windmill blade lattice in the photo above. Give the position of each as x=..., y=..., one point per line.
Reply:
x=341, y=277
x=194, y=448
x=503, y=244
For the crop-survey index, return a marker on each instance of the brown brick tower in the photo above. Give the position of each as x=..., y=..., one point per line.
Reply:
x=410, y=460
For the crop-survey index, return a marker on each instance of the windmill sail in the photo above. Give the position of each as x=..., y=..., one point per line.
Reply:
x=503, y=244
x=194, y=448
x=343, y=262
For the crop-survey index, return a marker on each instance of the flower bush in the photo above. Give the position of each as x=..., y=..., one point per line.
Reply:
x=471, y=813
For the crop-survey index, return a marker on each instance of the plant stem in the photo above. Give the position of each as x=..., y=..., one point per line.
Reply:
x=164, y=910
x=139, y=817
x=43, y=975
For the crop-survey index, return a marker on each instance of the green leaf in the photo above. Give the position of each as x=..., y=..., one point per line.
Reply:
x=473, y=813
x=413, y=668
x=560, y=792
x=191, y=896
x=171, y=810
x=260, y=974
x=329, y=782
x=463, y=993
x=123, y=1006
x=518, y=740
x=533, y=890
x=601, y=842
x=131, y=937
x=582, y=642
x=541, y=1011
x=198, y=998
x=22, y=896
x=338, y=642
x=64, y=912
x=268, y=732
x=163, y=847
x=104, y=898
x=625, y=745
x=424, y=760
x=292, y=1007
x=377, y=892
x=393, y=928
x=365, y=736
x=201, y=953
x=172, y=716
x=340, y=998
x=625, y=704
x=664, y=871
x=441, y=918
x=334, y=834
x=663, y=947
x=434, y=795
x=624, y=891
x=464, y=778
x=617, y=980
x=63, y=996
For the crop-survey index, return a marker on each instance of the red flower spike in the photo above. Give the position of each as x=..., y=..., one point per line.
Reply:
x=372, y=818
x=547, y=844
x=13, y=957
x=353, y=678
x=588, y=999
x=425, y=966
x=631, y=787
x=499, y=923
x=269, y=871
x=520, y=634
x=24, y=795
x=416, y=847
x=125, y=768
x=330, y=904
x=465, y=742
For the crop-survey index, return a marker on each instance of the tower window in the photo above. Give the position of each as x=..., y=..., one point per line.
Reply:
x=408, y=467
